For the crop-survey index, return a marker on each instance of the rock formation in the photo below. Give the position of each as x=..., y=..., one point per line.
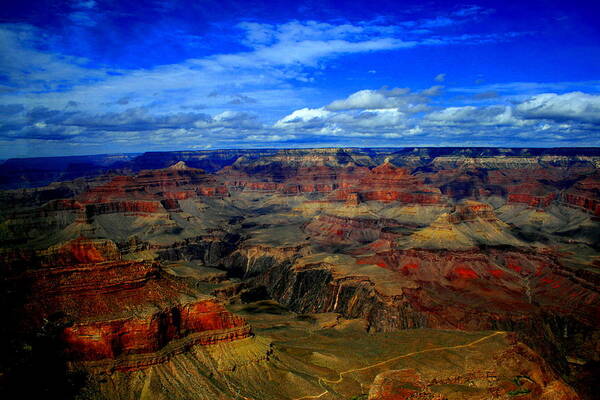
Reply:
x=215, y=283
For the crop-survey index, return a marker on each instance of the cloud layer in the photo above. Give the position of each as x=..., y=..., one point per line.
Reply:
x=273, y=84
x=542, y=119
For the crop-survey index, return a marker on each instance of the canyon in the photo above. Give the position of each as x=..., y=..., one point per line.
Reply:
x=337, y=273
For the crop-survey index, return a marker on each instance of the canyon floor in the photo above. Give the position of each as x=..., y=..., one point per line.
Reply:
x=302, y=274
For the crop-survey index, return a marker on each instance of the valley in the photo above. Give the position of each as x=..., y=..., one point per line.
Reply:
x=417, y=273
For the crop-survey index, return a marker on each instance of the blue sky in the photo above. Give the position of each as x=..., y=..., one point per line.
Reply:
x=103, y=76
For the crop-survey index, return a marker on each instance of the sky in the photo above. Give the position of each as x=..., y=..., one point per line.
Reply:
x=108, y=76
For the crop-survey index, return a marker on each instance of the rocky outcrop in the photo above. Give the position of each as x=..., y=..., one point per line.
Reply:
x=554, y=310
x=388, y=183
x=211, y=249
x=470, y=211
x=121, y=308
x=80, y=251
x=514, y=161
x=129, y=207
x=316, y=288
x=325, y=172
x=291, y=179
x=424, y=196
x=585, y=195
x=336, y=229
x=178, y=183
x=76, y=251
x=502, y=284
x=207, y=321
x=251, y=261
x=533, y=194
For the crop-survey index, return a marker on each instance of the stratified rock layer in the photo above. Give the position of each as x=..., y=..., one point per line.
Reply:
x=120, y=308
x=131, y=264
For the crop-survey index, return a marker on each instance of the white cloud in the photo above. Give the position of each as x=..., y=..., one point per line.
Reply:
x=433, y=91
x=399, y=98
x=54, y=98
x=331, y=129
x=415, y=131
x=270, y=138
x=303, y=117
x=364, y=99
x=279, y=56
x=357, y=117
x=472, y=115
x=260, y=35
x=29, y=69
x=574, y=106
x=304, y=52
x=373, y=119
x=352, y=123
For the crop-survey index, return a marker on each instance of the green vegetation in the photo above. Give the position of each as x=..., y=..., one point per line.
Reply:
x=519, y=392
x=518, y=380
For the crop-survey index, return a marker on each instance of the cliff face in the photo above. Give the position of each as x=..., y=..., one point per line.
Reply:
x=502, y=285
x=470, y=211
x=291, y=180
x=202, y=323
x=585, y=195
x=551, y=308
x=80, y=251
x=177, y=181
x=115, y=309
x=459, y=289
x=76, y=251
x=384, y=183
x=317, y=289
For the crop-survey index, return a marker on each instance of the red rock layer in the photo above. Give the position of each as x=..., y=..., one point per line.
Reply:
x=130, y=207
x=534, y=194
x=169, y=183
x=470, y=211
x=502, y=285
x=81, y=251
x=354, y=183
x=334, y=229
x=585, y=194
x=126, y=307
x=335, y=173
x=110, y=339
x=532, y=201
x=296, y=180
x=420, y=196
x=384, y=183
x=77, y=251
x=387, y=183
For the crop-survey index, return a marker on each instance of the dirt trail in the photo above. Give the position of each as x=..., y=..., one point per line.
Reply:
x=341, y=374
